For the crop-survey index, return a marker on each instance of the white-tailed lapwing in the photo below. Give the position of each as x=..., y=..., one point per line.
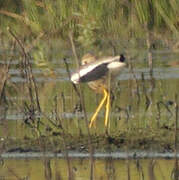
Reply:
x=99, y=74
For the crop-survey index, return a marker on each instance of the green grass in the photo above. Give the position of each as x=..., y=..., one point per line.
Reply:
x=91, y=20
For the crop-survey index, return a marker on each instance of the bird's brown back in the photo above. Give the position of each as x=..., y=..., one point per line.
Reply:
x=98, y=85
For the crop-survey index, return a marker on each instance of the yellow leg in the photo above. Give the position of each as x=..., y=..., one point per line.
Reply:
x=107, y=110
x=98, y=108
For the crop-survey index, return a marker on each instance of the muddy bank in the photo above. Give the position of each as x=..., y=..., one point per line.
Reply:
x=160, y=141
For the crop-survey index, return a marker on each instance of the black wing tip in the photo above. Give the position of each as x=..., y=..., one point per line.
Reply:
x=122, y=58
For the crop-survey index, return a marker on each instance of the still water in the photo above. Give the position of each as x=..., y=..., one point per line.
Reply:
x=104, y=168
x=143, y=109
x=141, y=99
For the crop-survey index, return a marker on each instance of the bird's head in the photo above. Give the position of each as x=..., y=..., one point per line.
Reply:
x=87, y=58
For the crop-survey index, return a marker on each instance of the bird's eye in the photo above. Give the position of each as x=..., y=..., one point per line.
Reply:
x=122, y=58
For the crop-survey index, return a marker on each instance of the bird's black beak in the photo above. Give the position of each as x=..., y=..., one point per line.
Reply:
x=122, y=58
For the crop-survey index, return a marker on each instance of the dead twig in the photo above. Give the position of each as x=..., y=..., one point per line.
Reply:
x=31, y=83
x=28, y=69
x=159, y=103
x=4, y=74
x=147, y=99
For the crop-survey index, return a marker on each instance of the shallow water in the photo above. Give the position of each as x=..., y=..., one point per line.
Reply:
x=104, y=168
x=114, y=155
x=60, y=82
x=161, y=86
x=143, y=107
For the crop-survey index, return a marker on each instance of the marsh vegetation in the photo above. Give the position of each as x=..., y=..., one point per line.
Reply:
x=41, y=43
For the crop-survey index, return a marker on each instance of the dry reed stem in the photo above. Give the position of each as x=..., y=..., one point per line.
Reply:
x=135, y=80
x=68, y=72
x=70, y=172
x=176, y=138
x=84, y=110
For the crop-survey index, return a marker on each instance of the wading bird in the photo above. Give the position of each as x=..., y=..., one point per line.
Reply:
x=99, y=74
